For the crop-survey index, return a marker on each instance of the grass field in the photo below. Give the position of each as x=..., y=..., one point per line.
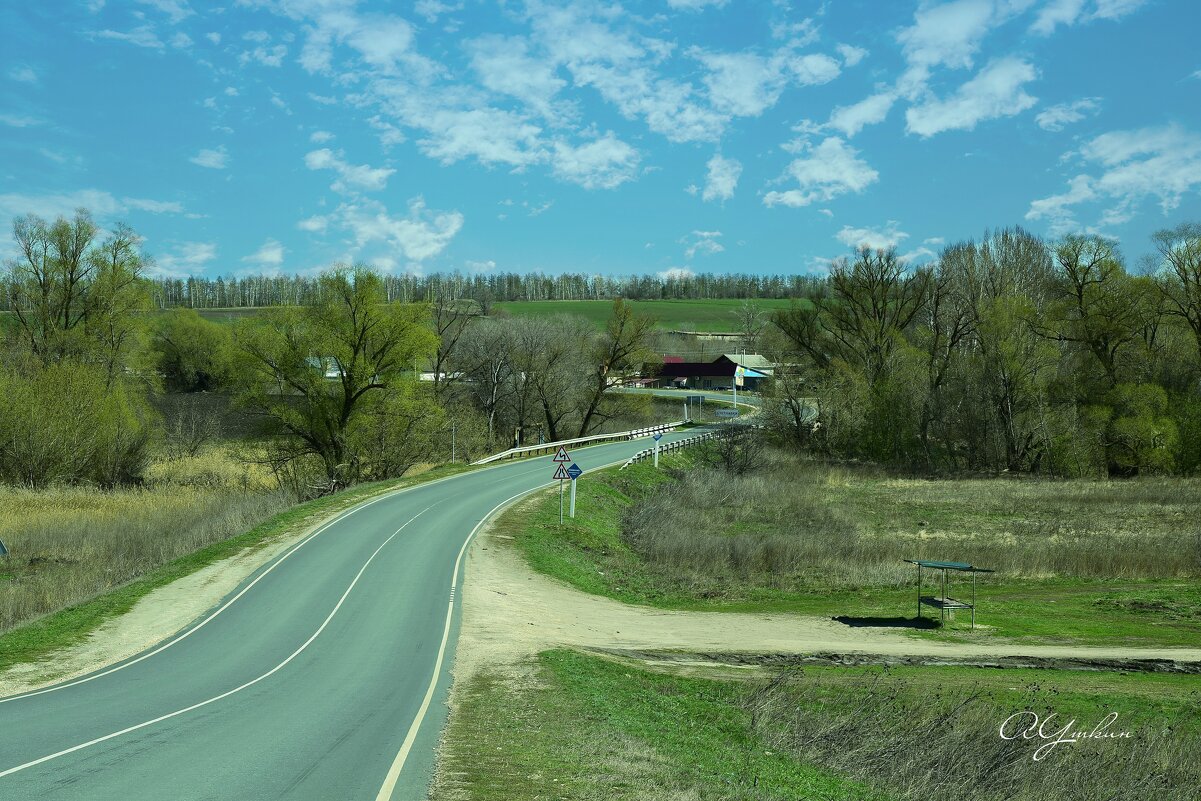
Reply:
x=717, y=315
x=831, y=544
x=583, y=727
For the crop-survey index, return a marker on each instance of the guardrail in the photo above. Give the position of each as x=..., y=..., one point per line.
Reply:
x=550, y=447
x=678, y=444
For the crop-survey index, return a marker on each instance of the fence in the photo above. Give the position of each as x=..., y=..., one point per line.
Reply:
x=550, y=447
x=679, y=444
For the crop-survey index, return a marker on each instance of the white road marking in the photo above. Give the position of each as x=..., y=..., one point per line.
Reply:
x=228, y=693
x=389, y=786
x=245, y=590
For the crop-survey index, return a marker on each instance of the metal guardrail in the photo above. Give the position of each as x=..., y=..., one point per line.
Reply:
x=679, y=444
x=551, y=447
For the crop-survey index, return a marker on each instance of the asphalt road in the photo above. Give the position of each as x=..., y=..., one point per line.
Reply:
x=323, y=676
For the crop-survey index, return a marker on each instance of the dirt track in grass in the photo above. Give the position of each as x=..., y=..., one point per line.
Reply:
x=511, y=612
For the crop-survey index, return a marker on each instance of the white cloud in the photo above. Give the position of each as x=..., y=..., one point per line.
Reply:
x=419, y=236
x=675, y=273
x=272, y=56
x=1071, y=12
x=316, y=224
x=213, y=37
x=188, y=258
x=480, y=266
x=695, y=5
x=851, y=55
x=350, y=176
x=103, y=205
x=946, y=35
x=1131, y=168
x=703, y=242
x=320, y=137
x=142, y=36
x=23, y=74
x=996, y=91
x=270, y=254
x=826, y=171
x=869, y=111
x=884, y=238
x=216, y=159
x=19, y=120
x=430, y=10
x=722, y=178
x=181, y=41
x=154, y=206
x=1056, y=118
x=176, y=10
x=604, y=163
x=814, y=69
x=741, y=84
x=505, y=66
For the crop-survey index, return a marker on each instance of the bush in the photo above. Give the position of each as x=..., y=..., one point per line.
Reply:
x=64, y=423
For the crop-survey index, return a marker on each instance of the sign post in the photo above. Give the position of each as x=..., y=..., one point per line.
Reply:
x=658, y=437
x=575, y=472
x=561, y=475
x=562, y=459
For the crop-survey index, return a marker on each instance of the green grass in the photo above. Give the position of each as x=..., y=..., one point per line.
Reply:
x=591, y=554
x=718, y=315
x=69, y=626
x=587, y=728
x=584, y=727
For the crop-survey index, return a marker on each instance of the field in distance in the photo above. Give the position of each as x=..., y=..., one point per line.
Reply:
x=719, y=314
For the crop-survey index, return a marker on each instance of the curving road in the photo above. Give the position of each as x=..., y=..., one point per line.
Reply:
x=323, y=676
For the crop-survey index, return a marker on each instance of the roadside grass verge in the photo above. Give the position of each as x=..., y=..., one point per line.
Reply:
x=830, y=543
x=586, y=727
x=581, y=727
x=156, y=551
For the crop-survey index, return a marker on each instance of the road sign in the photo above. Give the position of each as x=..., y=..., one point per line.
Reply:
x=727, y=412
x=657, y=436
x=574, y=472
x=561, y=473
x=561, y=456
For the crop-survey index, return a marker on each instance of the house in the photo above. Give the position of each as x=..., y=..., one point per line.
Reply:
x=721, y=373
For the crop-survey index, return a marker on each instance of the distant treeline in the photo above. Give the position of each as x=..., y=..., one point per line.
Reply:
x=264, y=290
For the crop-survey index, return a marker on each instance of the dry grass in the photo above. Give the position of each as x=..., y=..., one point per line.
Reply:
x=794, y=523
x=919, y=743
x=68, y=544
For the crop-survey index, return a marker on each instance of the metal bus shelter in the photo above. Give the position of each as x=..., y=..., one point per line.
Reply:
x=945, y=602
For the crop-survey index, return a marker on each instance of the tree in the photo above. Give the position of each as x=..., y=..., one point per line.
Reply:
x=1180, y=281
x=451, y=319
x=485, y=357
x=351, y=335
x=1098, y=305
x=192, y=354
x=73, y=299
x=752, y=320
x=626, y=345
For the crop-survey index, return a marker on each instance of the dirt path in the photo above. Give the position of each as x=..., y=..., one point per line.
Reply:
x=154, y=618
x=510, y=612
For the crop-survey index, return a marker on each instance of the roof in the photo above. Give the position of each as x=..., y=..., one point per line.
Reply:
x=948, y=565
x=690, y=369
x=753, y=360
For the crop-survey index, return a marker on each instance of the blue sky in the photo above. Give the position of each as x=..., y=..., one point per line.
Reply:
x=702, y=135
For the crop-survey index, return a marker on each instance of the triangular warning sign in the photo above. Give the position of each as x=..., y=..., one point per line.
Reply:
x=561, y=456
x=561, y=473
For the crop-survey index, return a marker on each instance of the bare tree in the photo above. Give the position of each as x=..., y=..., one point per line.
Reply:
x=451, y=318
x=625, y=345
x=1180, y=281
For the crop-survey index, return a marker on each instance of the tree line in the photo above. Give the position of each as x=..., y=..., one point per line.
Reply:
x=332, y=383
x=1008, y=354
x=253, y=291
